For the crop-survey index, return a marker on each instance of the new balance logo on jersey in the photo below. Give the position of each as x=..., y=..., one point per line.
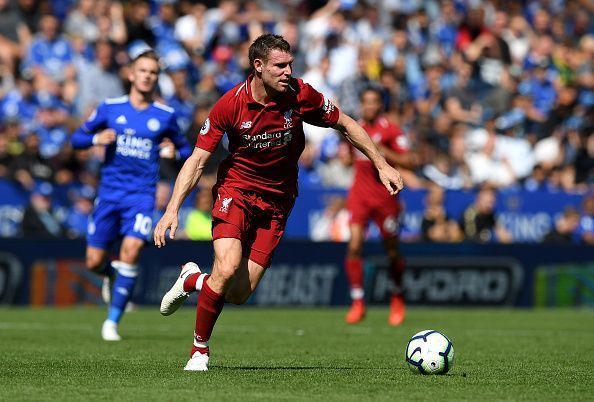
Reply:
x=225, y=207
x=121, y=119
x=245, y=124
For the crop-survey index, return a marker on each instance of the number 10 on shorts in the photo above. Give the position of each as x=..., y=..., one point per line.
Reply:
x=143, y=224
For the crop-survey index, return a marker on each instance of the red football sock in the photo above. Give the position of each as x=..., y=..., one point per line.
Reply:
x=354, y=271
x=396, y=272
x=193, y=279
x=210, y=305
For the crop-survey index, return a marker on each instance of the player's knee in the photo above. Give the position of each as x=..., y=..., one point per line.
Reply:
x=129, y=253
x=226, y=272
x=94, y=263
x=225, y=268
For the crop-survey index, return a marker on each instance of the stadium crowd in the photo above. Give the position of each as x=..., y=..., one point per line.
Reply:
x=496, y=94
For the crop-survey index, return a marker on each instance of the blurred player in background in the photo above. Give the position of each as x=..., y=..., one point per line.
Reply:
x=369, y=200
x=257, y=184
x=136, y=131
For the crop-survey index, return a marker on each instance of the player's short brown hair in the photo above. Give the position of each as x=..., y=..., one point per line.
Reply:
x=261, y=47
x=148, y=54
x=373, y=89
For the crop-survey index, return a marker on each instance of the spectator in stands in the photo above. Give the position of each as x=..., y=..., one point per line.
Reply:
x=53, y=134
x=137, y=22
x=565, y=229
x=14, y=35
x=443, y=172
x=111, y=22
x=182, y=99
x=30, y=166
x=6, y=159
x=586, y=229
x=21, y=104
x=332, y=224
x=462, y=100
x=81, y=21
x=193, y=30
x=198, y=225
x=337, y=172
x=98, y=79
x=30, y=13
x=584, y=160
x=479, y=222
x=50, y=57
x=77, y=220
x=350, y=89
x=39, y=220
x=228, y=73
x=436, y=225
x=309, y=175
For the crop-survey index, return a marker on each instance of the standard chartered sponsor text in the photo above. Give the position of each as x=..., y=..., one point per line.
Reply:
x=266, y=140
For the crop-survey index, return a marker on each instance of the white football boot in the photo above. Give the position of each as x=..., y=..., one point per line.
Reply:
x=198, y=362
x=176, y=296
x=109, y=331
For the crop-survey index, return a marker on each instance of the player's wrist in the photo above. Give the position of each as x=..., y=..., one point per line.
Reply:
x=95, y=139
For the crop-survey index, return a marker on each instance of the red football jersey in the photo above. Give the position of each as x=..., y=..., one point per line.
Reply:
x=265, y=141
x=390, y=136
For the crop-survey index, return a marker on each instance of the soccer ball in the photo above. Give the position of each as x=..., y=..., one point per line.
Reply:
x=430, y=352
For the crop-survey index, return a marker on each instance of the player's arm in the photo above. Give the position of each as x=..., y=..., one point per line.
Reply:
x=407, y=160
x=82, y=140
x=94, y=131
x=180, y=149
x=357, y=136
x=187, y=179
x=398, y=153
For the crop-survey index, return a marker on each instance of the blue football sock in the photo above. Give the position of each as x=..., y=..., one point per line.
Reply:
x=122, y=289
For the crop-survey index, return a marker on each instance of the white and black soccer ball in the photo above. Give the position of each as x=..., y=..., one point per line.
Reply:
x=430, y=352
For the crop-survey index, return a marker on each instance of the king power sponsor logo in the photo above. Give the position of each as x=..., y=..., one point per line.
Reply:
x=135, y=147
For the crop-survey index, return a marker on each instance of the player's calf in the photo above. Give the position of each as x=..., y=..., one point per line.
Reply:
x=237, y=298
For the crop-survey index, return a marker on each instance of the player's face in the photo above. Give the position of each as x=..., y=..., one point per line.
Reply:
x=371, y=105
x=144, y=75
x=276, y=71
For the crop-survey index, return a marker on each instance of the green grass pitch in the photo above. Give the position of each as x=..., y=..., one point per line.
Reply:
x=295, y=354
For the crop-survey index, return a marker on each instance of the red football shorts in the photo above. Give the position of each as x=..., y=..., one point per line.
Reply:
x=258, y=221
x=383, y=210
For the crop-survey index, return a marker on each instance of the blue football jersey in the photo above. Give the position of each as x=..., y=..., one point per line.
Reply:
x=131, y=163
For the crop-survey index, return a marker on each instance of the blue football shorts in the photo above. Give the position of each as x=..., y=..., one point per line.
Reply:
x=130, y=216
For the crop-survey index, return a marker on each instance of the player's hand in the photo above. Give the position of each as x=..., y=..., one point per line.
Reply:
x=105, y=137
x=168, y=221
x=167, y=149
x=391, y=178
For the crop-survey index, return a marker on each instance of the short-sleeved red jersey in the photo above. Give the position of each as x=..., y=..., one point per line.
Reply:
x=385, y=133
x=265, y=141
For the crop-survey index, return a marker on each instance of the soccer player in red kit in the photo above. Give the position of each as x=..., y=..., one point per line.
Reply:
x=369, y=200
x=257, y=183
